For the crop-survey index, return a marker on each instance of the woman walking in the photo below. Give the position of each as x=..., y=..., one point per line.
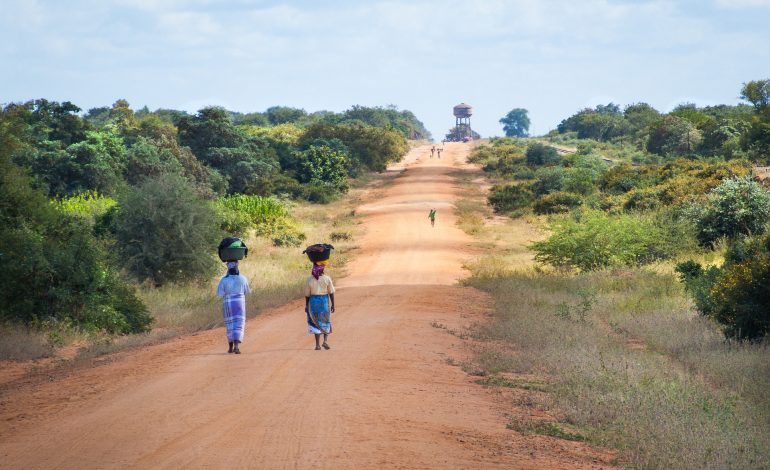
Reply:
x=233, y=289
x=319, y=304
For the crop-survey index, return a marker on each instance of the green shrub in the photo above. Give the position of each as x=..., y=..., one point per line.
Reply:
x=548, y=180
x=738, y=206
x=89, y=205
x=166, y=232
x=324, y=166
x=557, y=202
x=737, y=295
x=259, y=210
x=541, y=154
x=509, y=197
x=594, y=240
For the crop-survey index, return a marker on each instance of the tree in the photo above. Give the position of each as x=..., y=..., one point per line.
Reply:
x=283, y=114
x=640, y=116
x=738, y=206
x=673, y=136
x=516, y=123
x=757, y=92
x=166, y=232
x=54, y=260
x=324, y=167
x=541, y=154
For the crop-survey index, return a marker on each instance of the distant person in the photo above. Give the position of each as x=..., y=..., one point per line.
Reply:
x=319, y=305
x=438, y=150
x=432, y=217
x=432, y=151
x=233, y=289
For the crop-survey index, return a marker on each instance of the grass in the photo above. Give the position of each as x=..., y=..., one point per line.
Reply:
x=685, y=398
x=544, y=428
x=18, y=343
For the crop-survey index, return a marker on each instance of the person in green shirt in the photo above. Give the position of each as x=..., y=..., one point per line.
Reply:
x=432, y=217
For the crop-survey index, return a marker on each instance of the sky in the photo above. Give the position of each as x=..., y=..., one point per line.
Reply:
x=551, y=57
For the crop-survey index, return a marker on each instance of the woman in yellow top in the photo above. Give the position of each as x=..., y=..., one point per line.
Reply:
x=319, y=304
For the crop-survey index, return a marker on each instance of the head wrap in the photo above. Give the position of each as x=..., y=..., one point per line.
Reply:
x=232, y=268
x=318, y=270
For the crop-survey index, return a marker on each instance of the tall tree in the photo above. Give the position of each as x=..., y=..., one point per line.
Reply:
x=516, y=123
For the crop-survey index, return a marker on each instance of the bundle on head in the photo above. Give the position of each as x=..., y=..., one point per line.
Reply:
x=319, y=253
x=232, y=249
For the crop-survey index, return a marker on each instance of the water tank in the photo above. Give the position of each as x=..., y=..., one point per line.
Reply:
x=463, y=110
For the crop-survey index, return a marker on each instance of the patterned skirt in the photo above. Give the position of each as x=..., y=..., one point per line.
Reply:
x=234, y=314
x=318, y=315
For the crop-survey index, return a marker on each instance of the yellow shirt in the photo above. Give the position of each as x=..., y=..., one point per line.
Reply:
x=321, y=286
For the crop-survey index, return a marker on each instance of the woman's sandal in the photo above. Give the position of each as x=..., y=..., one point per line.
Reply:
x=318, y=348
x=326, y=346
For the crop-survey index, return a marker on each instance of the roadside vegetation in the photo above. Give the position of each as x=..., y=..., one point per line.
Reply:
x=639, y=320
x=110, y=218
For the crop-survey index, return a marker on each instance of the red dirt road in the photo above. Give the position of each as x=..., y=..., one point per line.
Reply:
x=384, y=396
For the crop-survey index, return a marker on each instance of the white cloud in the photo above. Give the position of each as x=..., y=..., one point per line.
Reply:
x=742, y=4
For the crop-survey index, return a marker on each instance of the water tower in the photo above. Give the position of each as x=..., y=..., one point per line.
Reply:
x=462, y=114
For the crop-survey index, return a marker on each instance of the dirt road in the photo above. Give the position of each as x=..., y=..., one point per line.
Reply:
x=384, y=396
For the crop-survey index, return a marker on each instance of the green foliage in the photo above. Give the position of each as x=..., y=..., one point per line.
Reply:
x=89, y=206
x=257, y=209
x=541, y=154
x=673, y=136
x=516, y=123
x=738, y=206
x=594, y=240
x=548, y=180
x=510, y=197
x=405, y=122
x=557, y=202
x=370, y=148
x=737, y=295
x=323, y=166
x=757, y=92
x=166, y=232
x=51, y=267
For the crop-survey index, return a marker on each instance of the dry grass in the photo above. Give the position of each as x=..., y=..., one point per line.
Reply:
x=18, y=343
x=678, y=396
x=628, y=363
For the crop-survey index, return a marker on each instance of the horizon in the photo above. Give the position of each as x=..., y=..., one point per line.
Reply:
x=552, y=58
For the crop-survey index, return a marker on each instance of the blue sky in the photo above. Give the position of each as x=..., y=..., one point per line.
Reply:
x=552, y=57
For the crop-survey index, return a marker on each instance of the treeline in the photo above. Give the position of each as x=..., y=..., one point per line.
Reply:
x=91, y=203
x=741, y=131
x=607, y=214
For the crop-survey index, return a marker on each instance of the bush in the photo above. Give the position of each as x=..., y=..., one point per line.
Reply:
x=509, y=198
x=594, y=240
x=323, y=166
x=548, y=180
x=557, y=202
x=166, y=232
x=738, y=206
x=52, y=268
x=541, y=154
x=737, y=295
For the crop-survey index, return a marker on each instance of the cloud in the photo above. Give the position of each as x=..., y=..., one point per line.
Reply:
x=742, y=4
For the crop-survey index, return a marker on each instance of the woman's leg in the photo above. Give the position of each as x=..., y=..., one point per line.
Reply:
x=236, y=350
x=325, y=345
x=231, y=346
x=317, y=341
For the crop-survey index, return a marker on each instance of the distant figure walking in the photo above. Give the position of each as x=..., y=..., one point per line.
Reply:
x=319, y=291
x=432, y=151
x=432, y=217
x=233, y=289
x=438, y=150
